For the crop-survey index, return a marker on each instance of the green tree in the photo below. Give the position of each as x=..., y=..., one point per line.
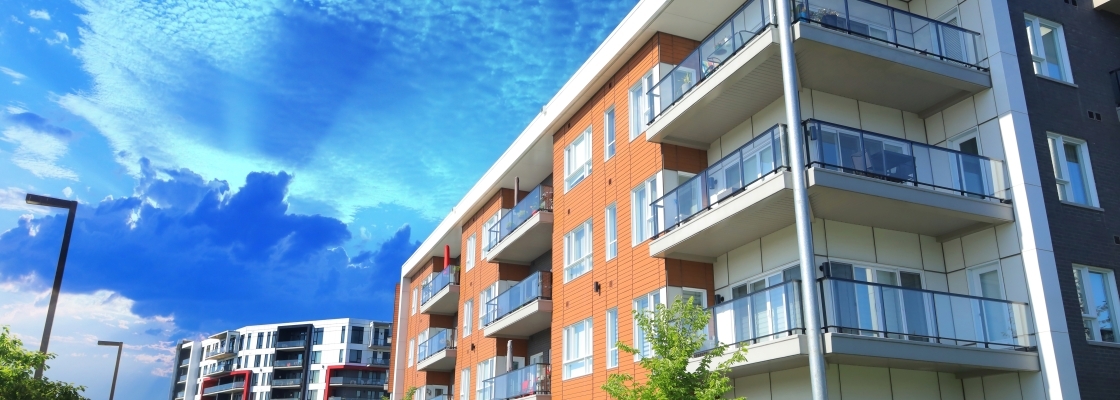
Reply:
x=17, y=368
x=408, y=394
x=675, y=333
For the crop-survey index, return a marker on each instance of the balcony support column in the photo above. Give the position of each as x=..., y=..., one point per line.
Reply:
x=804, y=221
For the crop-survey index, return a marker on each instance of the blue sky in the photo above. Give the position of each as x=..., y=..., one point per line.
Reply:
x=242, y=162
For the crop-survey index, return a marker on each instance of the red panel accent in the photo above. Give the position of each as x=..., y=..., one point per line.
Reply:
x=331, y=368
x=206, y=382
x=446, y=256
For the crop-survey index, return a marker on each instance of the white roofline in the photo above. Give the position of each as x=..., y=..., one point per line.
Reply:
x=564, y=103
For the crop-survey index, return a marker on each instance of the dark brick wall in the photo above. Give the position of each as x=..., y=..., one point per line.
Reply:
x=1080, y=235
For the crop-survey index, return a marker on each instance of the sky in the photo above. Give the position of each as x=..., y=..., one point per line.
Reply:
x=242, y=162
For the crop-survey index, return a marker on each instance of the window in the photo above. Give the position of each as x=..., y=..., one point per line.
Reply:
x=1048, y=48
x=470, y=252
x=1096, y=292
x=314, y=375
x=317, y=357
x=313, y=394
x=260, y=340
x=485, y=296
x=577, y=160
x=489, y=240
x=241, y=343
x=267, y=360
x=269, y=346
x=577, y=252
x=641, y=105
x=357, y=334
x=411, y=350
x=468, y=316
x=413, y=301
x=644, y=304
x=577, y=349
x=611, y=219
x=355, y=356
x=342, y=335
x=317, y=336
x=642, y=219
x=465, y=384
x=256, y=361
x=608, y=134
x=612, y=338
x=1072, y=170
x=485, y=371
x=341, y=353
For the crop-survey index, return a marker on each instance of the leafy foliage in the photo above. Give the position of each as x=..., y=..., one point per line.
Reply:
x=675, y=333
x=408, y=394
x=17, y=368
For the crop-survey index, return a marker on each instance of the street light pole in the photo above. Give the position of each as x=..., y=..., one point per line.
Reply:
x=119, y=345
x=72, y=208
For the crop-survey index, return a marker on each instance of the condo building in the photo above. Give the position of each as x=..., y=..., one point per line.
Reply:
x=331, y=359
x=881, y=199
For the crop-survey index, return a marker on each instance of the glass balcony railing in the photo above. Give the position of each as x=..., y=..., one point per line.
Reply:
x=220, y=350
x=181, y=378
x=746, y=23
x=536, y=286
x=438, y=342
x=286, y=381
x=900, y=28
x=219, y=368
x=291, y=343
x=540, y=199
x=441, y=280
x=898, y=160
x=286, y=396
x=531, y=380
x=185, y=361
x=223, y=387
x=287, y=363
x=757, y=317
x=441, y=397
x=179, y=395
x=342, y=380
x=377, y=361
x=761, y=156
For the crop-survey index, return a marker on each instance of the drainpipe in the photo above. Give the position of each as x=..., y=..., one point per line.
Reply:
x=801, y=201
x=516, y=189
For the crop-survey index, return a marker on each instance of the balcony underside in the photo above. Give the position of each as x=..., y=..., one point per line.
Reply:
x=525, y=321
x=1112, y=6
x=444, y=302
x=441, y=361
x=827, y=60
x=792, y=352
x=220, y=356
x=526, y=243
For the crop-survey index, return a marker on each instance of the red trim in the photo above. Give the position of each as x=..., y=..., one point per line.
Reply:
x=331, y=368
x=244, y=391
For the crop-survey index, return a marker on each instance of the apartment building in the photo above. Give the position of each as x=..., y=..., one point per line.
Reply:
x=927, y=161
x=332, y=359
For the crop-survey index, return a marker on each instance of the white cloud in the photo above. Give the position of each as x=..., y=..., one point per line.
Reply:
x=38, y=152
x=17, y=77
x=16, y=20
x=33, y=29
x=59, y=37
x=14, y=199
x=39, y=14
x=15, y=109
x=80, y=321
x=67, y=191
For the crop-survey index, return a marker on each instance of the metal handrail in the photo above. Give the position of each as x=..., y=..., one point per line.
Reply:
x=536, y=286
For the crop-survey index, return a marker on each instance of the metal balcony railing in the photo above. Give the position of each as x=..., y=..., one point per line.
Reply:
x=441, y=280
x=377, y=361
x=287, y=363
x=536, y=286
x=185, y=361
x=286, y=381
x=856, y=151
x=531, y=380
x=222, y=387
x=221, y=350
x=761, y=316
x=342, y=380
x=540, y=199
x=219, y=368
x=291, y=343
x=438, y=342
x=179, y=395
x=765, y=154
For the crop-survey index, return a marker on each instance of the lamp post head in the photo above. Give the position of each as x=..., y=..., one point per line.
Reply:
x=38, y=200
x=109, y=343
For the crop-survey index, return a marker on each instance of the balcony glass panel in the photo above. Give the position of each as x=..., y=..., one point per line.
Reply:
x=761, y=316
x=291, y=343
x=891, y=25
x=179, y=395
x=746, y=23
x=898, y=160
x=438, y=282
x=185, y=361
x=288, y=363
x=531, y=380
x=342, y=380
x=536, y=286
x=540, y=199
x=227, y=386
x=873, y=309
x=438, y=342
x=764, y=154
x=286, y=381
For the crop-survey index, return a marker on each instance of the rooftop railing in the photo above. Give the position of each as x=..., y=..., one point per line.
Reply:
x=748, y=164
x=438, y=342
x=540, y=199
x=899, y=160
x=536, y=286
x=530, y=380
x=439, y=281
x=223, y=387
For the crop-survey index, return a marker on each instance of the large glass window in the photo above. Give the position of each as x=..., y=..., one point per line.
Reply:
x=608, y=133
x=260, y=339
x=465, y=384
x=317, y=336
x=414, y=299
x=577, y=349
x=357, y=334
x=1072, y=170
x=611, y=221
x=484, y=297
x=355, y=356
x=642, y=215
x=644, y=304
x=641, y=105
x=1048, y=48
x=612, y=338
x=470, y=253
x=1096, y=293
x=489, y=239
x=485, y=371
x=577, y=160
x=468, y=317
x=411, y=351
x=577, y=251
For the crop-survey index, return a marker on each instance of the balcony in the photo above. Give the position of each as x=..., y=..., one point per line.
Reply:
x=854, y=176
x=522, y=310
x=873, y=324
x=218, y=369
x=531, y=382
x=286, y=382
x=224, y=388
x=287, y=364
x=441, y=294
x=889, y=56
x=181, y=379
x=525, y=232
x=438, y=352
x=377, y=362
x=179, y=395
x=1112, y=6
x=185, y=362
x=291, y=344
x=346, y=381
x=221, y=353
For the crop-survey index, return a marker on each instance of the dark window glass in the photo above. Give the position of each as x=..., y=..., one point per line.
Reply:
x=356, y=356
x=356, y=334
x=260, y=340
x=317, y=336
x=256, y=364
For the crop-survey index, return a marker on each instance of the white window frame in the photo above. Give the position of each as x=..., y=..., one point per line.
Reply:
x=465, y=385
x=612, y=338
x=641, y=105
x=575, y=170
x=1038, y=50
x=471, y=245
x=584, y=261
x=610, y=216
x=583, y=353
x=485, y=371
x=642, y=217
x=971, y=133
x=974, y=287
x=411, y=351
x=415, y=299
x=488, y=293
x=468, y=317
x=610, y=133
x=1057, y=143
x=652, y=300
x=489, y=223
x=1086, y=296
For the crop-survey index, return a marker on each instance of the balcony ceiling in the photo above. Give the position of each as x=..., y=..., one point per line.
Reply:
x=526, y=243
